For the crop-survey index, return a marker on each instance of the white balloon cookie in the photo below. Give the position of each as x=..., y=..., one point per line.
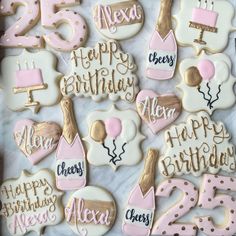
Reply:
x=207, y=83
x=100, y=72
x=197, y=146
x=30, y=80
x=118, y=19
x=204, y=24
x=91, y=211
x=31, y=202
x=114, y=138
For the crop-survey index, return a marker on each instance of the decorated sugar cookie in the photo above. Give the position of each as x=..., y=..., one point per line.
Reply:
x=31, y=202
x=199, y=145
x=210, y=198
x=207, y=83
x=100, y=72
x=168, y=223
x=139, y=213
x=114, y=138
x=118, y=19
x=204, y=24
x=30, y=80
x=162, y=54
x=158, y=111
x=71, y=164
x=36, y=140
x=91, y=211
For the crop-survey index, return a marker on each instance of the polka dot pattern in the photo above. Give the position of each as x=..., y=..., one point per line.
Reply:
x=166, y=223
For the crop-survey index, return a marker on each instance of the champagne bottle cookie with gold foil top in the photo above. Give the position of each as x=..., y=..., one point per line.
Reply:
x=71, y=163
x=139, y=213
x=162, y=55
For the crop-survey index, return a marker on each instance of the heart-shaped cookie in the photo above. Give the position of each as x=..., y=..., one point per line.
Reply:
x=36, y=140
x=158, y=111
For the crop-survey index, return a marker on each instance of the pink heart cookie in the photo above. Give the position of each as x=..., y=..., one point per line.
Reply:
x=36, y=140
x=158, y=111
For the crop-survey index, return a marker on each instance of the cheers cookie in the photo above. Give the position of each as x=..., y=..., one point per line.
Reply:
x=91, y=211
x=205, y=82
x=118, y=19
x=139, y=213
x=31, y=202
x=197, y=146
x=158, y=111
x=36, y=140
x=114, y=138
x=71, y=164
x=30, y=80
x=100, y=72
x=204, y=24
x=162, y=55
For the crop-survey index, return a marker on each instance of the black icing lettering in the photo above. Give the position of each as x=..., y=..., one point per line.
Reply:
x=167, y=59
x=63, y=170
x=132, y=216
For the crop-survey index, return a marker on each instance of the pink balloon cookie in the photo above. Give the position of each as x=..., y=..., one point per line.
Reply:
x=162, y=55
x=205, y=82
x=118, y=19
x=31, y=202
x=166, y=224
x=204, y=25
x=139, y=213
x=114, y=138
x=36, y=140
x=158, y=111
x=90, y=211
x=196, y=146
x=71, y=163
x=210, y=199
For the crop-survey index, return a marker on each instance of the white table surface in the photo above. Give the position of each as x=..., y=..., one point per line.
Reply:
x=121, y=182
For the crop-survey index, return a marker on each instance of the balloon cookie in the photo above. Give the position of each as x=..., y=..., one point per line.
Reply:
x=71, y=164
x=91, y=211
x=162, y=55
x=100, y=72
x=31, y=202
x=203, y=24
x=114, y=138
x=118, y=19
x=205, y=82
x=139, y=213
x=36, y=140
x=30, y=80
x=196, y=146
x=158, y=111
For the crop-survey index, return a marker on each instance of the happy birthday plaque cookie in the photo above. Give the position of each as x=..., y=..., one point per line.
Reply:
x=199, y=145
x=36, y=140
x=207, y=83
x=30, y=80
x=31, y=202
x=158, y=111
x=100, y=72
x=204, y=24
x=118, y=19
x=91, y=211
x=114, y=138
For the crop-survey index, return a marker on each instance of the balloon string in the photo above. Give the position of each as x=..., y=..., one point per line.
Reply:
x=108, y=151
x=209, y=90
x=114, y=144
x=204, y=95
x=217, y=96
x=123, y=151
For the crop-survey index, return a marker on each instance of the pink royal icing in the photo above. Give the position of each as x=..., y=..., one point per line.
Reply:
x=71, y=167
x=165, y=225
x=113, y=127
x=28, y=78
x=206, y=69
x=162, y=56
x=204, y=16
